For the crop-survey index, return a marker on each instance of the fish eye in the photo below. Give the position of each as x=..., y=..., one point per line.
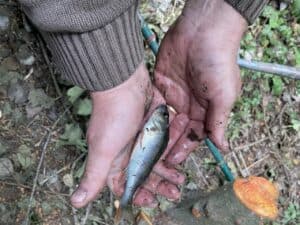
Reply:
x=166, y=115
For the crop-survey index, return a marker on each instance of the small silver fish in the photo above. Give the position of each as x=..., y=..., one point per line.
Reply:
x=149, y=146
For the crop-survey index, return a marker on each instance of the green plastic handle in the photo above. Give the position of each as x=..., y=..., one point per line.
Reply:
x=220, y=160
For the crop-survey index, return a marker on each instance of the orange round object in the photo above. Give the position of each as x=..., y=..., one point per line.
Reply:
x=257, y=194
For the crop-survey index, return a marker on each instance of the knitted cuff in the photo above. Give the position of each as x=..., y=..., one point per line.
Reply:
x=100, y=59
x=250, y=9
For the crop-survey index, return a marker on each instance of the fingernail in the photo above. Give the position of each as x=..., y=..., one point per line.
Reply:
x=78, y=196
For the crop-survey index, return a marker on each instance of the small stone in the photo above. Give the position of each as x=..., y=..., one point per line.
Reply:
x=283, y=6
x=3, y=148
x=191, y=186
x=248, y=55
x=10, y=63
x=68, y=180
x=25, y=56
x=16, y=92
x=296, y=162
x=286, y=97
x=6, y=167
x=4, y=20
x=32, y=111
x=4, y=51
x=53, y=182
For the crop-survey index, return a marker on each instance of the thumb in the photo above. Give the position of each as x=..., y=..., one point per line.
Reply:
x=94, y=179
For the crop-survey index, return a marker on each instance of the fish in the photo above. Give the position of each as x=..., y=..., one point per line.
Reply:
x=148, y=148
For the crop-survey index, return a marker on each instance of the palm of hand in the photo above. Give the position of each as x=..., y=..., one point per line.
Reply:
x=198, y=76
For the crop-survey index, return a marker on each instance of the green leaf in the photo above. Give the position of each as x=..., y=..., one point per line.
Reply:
x=296, y=8
x=73, y=136
x=297, y=56
x=84, y=107
x=24, y=156
x=79, y=172
x=74, y=93
x=296, y=124
x=277, y=86
x=38, y=98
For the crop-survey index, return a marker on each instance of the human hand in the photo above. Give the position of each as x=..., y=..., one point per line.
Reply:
x=197, y=73
x=116, y=118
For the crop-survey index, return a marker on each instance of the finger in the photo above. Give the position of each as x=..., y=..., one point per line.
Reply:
x=157, y=185
x=174, y=93
x=145, y=198
x=170, y=174
x=94, y=178
x=218, y=112
x=170, y=191
x=198, y=109
x=152, y=182
x=191, y=138
x=177, y=128
x=117, y=175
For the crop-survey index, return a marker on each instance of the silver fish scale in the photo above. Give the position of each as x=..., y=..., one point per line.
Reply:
x=149, y=146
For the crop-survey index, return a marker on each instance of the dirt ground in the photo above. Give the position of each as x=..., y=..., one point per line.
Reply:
x=38, y=173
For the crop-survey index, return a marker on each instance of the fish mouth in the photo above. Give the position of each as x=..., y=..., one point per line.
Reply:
x=162, y=110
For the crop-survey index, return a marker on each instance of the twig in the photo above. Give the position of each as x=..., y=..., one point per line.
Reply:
x=238, y=164
x=258, y=161
x=244, y=163
x=75, y=217
x=44, y=147
x=250, y=144
x=87, y=212
x=64, y=168
x=30, y=188
x=44, y=52
x=199, y=172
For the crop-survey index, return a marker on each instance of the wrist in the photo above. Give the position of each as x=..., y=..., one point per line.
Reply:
x=213, y=13
x=138, y=86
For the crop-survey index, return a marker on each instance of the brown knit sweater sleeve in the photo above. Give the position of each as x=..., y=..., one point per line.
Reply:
x=97, y=44
x=249, y=9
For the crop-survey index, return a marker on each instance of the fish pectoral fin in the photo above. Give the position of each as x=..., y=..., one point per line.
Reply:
x=143, y=217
